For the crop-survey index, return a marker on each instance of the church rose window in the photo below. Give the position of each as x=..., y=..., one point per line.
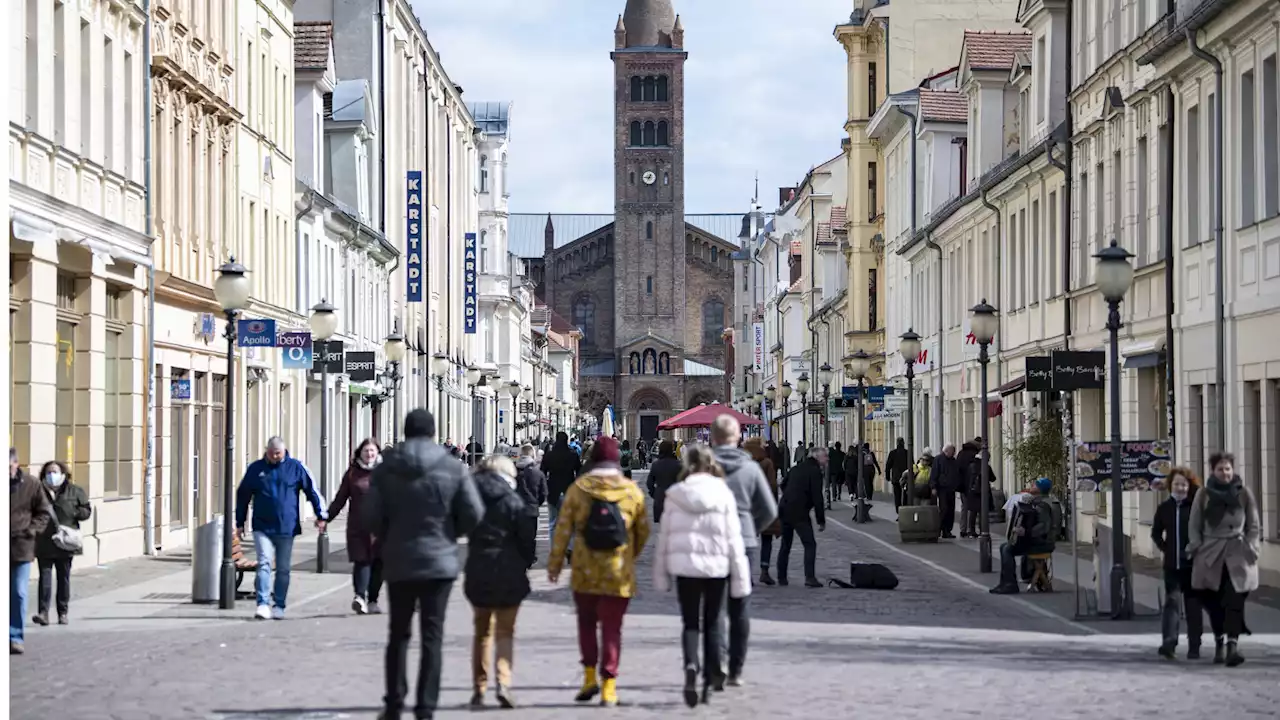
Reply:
x=712, y=322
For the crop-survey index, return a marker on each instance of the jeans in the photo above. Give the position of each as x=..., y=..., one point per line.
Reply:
x=947, y=508
x=432, y=598
x=1008, y=566
x=766, y=550
x=705, y=594
x=491, y=623
x=273, y=551
x=604, y=612
x=804, y=529
x=735, y=627
x=1179, y=600
x=367, y=579
x=553, y=515
x=19, y=577
x=1226, y=608
x=48, y=568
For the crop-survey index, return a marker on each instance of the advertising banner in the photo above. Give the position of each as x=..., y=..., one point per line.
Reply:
x=361, y=366
x=1144, y=465
x=757, y=348
x=328, y=356
x=470, y=277
x=1076, y=370
x=296, y=350
x=1039, y=372
x=413, y=238
x=255, y=333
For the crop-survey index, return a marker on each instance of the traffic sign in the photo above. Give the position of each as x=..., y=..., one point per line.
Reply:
x=295, y=348
x=256, y=333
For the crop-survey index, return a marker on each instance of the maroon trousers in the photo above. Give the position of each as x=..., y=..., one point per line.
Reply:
x=604, y=611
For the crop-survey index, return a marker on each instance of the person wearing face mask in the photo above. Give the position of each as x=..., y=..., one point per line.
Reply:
x=29, y=515
x=1224, y=548
x=1169, y=531
x=362, y=546
x=70, y=506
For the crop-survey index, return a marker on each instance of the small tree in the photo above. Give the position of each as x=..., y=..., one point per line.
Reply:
x=1041, y=452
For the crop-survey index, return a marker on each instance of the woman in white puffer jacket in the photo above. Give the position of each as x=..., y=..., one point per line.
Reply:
x=700, y=544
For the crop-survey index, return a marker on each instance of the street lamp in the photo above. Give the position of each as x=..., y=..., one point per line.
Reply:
x=825, y=373
x=802, y=386
x=786, y=408
x=324, y=322
x=231, y=289
x=983, y=323
x=514, y=390
x=909, y=347
x=393, y=348
x=439, y=366
x=1114, y=275
x=474, y=376
x=857, y=365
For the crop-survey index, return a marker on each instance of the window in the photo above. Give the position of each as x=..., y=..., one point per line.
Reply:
x=662, y=88
x=636, y=138
x=1052, y=250
x=59, y=73
x=648, y=230
x=712, y=322
x=715, y=255
x=484, y=251
x=636, y=88
x=65, y=403
x=650, y=134
x=632, y=177
x=1035, y=270
x=115, y=466
x=86, y=91
x=1118, y=200
x=1099, y=207
x=650, y=89
x=666, y=178
x=662, y=133
x=648, y=285
x=32, y=101
x=1192, y=177
x=1015, y=276
x=584, y=316
x=108, y=103
x=1140, y=205
x=746, y=276
x=872, y=199
x=872, y=100
x=964, y=165
x=1041, y=62
x=1270, y=139
x=484, y=174
x=872, y=315
x=1211, y=120
x=1248, y=149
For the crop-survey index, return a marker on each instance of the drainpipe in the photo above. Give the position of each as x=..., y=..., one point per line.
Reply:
x=999, y=286
x=1170, y=379
x=942, y=392
x=1219, y=307
x=1069, y=398
x=300, y=271
x=149, y=475
x=382, y=118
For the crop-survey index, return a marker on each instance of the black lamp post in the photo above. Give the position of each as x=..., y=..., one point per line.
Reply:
x=231, y=290
x=825, y=373
x=770, y=396
x=1114, y=276
x=909, y=347
x=439, y=366
x=514, y=389
x=324, y=321
x=474, y=378
x=393, y=347
x=857, y=365
x=786, y=408
x=984, y=324
x=802, y=386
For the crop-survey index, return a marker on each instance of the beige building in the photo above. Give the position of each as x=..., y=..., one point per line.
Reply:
x=79, y=254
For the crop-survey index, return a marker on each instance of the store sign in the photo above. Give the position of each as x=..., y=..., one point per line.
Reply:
x=413, y=242
x=180, y=389
x=757, y=348
x=1144, y=465
x=361, y=366
x=256, y=333
x=328, y=356
x=470, y=276
x=295, y=348
x=1039, y=373
x=1075, y=370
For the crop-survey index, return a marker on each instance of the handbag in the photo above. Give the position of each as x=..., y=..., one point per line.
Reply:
x=68, y=539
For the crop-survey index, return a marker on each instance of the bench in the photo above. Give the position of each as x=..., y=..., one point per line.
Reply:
x=1041, y=572
x=243, y=565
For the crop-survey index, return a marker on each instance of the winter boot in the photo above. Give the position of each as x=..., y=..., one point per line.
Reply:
x=609, y=692
x=590, y=686
x=765, y=578
x=691, y=686
x=1219, y=656
x=1167, y=651
x=1234, y=657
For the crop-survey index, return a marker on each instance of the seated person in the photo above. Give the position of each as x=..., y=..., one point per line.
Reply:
x=1032, y=531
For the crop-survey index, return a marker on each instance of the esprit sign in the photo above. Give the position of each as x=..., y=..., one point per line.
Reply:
x=469, y=279
x=413, y=242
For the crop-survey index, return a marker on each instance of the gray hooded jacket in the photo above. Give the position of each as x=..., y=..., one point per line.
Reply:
x=756, y=506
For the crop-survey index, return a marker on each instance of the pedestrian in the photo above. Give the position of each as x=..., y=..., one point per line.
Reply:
x=642, y=453
x=802, y=494
x=604, y=514
x=1031, y=531
x=475, y=450
x=835, y=473
x=272, y=484
x=920, y=484
x=945, y=480
x=29, y=515
x=800, y=454
x=701, y=545
x=500, y=550
x=664, y=473
x=897, y=463
x=1170, y=533
x=870, y=468
x=362, y=545
x=1224, y=548
x=756, y=448
x=422, y=501
x=970, y=489
x=531, y=483
x=56, y=546
x=561, y=467
x=756, y=508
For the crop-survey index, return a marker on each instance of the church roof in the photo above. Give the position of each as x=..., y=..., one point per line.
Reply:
x=697, y=369
x=648, y=23
x=526, y=232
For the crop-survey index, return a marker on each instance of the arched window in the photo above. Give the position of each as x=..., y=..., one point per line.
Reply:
x=484, y=174
x=648, y=284
x=650, y=89
x=648, y=230
x=632, y=177
x=650, y=138
x=662, y=133
x=715, y=255
x=584, y=316
x=635, y=88
x=666, y=178
x=712, y=322
x=662, y=88
x=635, y=133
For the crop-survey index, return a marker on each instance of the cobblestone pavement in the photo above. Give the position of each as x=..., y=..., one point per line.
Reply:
x=935, y=648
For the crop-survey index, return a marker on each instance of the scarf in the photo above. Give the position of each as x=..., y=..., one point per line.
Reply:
x=1222, y=497
x=377, y=460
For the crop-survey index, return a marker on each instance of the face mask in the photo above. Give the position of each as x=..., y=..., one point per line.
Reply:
x=1179, y=495
x=54, y=479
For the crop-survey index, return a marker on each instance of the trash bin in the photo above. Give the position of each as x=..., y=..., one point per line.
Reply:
x=206, y=561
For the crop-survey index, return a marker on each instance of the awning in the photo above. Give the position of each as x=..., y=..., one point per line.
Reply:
x=1013, y=386
x=995, y=408
x=1144, y=360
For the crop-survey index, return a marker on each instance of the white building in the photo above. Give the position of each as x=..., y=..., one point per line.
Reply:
x=79, y=254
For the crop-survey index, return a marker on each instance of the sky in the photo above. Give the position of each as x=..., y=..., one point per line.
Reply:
x=764, y=93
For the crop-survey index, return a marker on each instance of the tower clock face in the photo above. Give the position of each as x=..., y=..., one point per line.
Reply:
x=648, y=177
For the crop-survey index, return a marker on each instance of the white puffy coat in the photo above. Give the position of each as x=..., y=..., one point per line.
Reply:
x=701, y=536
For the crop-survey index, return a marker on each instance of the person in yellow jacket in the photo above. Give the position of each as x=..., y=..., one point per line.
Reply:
x=920, y=487
x=604, y=512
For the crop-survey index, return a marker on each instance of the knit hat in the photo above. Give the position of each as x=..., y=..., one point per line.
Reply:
x=605, y=452
x=1044, y=485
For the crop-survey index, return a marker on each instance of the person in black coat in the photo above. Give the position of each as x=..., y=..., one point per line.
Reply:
x=946, y=478
x=802, y=494
x=70, y=506
x=500, y=550
x=664, y=473
x=1169, y=531
x=561, y=465
x=969, y=460
x=531, y=483
x=835, y=474
x=897, y=463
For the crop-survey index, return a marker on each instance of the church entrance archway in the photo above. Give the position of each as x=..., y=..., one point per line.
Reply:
x=646, y=408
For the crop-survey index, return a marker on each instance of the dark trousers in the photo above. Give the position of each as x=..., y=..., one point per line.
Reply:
x=897, y=496
x=804, y=529
x=603, y=612
x=733, y=644
x=431, y=597
x=367, y=579
x=947, y=508
x=1179, y=600
x=1008, y=565
x=700, y=605
x=48, y=567
x=1226, y=608
x=766, y=550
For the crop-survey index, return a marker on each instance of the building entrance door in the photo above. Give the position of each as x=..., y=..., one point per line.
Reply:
x=649, y=428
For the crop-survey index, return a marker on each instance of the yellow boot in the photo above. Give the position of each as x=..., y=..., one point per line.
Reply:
x=590, y=686
x=609, y=693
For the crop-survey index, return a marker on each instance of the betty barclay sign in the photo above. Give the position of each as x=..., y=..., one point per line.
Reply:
x=413, y=260
x=469, y=280
x=757, y=348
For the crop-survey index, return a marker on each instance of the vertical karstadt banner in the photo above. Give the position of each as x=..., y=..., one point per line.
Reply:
x=757, y=348
x=470, y=311
x=413, y=238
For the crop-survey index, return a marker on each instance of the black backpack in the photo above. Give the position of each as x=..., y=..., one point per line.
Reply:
x=605, y=529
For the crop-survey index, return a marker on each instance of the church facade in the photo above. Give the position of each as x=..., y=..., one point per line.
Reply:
x=651, y=291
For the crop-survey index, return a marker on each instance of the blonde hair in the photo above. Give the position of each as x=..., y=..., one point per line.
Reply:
x=499, y=464
x=700, y=459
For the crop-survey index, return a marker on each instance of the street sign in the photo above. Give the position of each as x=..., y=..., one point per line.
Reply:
x=1075, y=370
x=895, y=402
x=526, y=407
x=849, y=392
x=256, y=333
x=842, y=403
x=361, y=366
x=884, y=415
x=295, y=348
x=328, y=354
x=817, y=407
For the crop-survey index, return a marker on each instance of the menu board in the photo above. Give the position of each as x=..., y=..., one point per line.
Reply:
x=1144, y=465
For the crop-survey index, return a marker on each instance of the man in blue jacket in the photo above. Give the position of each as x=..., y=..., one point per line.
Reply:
x=273, y=484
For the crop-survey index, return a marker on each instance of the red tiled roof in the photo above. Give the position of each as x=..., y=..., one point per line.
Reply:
x=824, y=232
x=993, y=50
x=944, y=106
x=797, y=247
x=839, y=216
x=311, y=45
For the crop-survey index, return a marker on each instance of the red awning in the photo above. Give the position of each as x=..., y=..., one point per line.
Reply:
x=995, y=408
x=703, y=416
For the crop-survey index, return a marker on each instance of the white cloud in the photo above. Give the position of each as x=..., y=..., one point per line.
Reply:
x=765, y=91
